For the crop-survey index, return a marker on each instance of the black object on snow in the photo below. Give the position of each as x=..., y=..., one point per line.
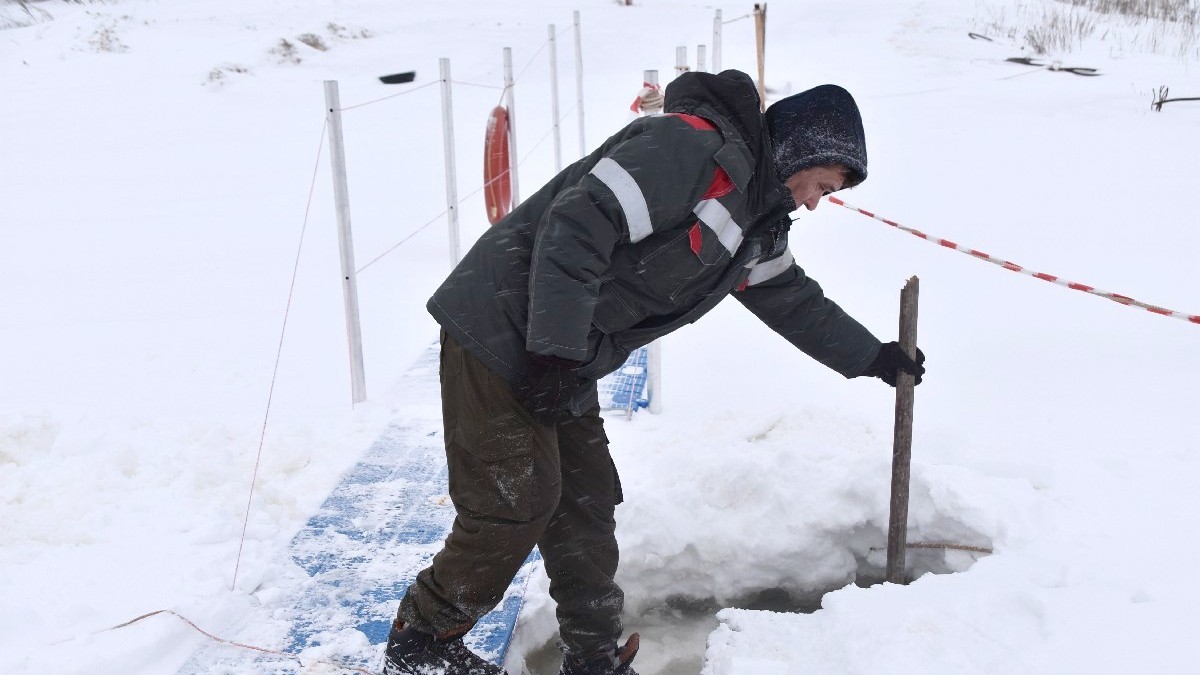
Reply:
x=1161, y=98
x=1054, y=65
x=399, y=78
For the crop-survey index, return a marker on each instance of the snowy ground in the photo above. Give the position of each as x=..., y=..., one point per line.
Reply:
x=155, y=163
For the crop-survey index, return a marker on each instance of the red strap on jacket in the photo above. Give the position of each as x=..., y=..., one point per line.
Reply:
x=696, y=238
x=721, y=185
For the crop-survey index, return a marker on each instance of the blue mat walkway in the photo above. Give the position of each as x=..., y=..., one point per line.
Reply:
x=379, y=527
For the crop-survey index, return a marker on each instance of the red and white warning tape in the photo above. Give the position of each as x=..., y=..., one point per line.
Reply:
x=1115, y=297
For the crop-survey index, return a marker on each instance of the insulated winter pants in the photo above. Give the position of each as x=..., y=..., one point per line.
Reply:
x=514, y=484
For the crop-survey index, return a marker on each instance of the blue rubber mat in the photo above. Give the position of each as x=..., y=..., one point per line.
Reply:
x=625, y=389
x=377, y=529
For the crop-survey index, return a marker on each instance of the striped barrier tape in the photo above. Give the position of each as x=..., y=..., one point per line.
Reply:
x=1011, y=266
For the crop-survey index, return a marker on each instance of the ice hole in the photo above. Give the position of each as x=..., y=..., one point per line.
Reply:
x=674, y=632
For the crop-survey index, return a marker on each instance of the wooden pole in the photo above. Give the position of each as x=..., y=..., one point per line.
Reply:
x=902, y=439
x=760, y=40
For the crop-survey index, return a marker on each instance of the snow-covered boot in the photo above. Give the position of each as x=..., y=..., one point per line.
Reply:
x=411, y=652
x=610, y=661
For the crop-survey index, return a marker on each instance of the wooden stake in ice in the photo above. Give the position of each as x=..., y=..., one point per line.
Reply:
x=902, y=439
x=341, y=197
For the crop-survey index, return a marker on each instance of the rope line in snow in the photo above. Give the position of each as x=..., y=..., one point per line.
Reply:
x=397, y=244
x=278, y=352
x=474, y=84
x=232, y=643
x=462, y=200
x=1013, y=267
x=529, y=63
x=403, y=93
x=941, y=545
x=953, y=547
x=526, y=67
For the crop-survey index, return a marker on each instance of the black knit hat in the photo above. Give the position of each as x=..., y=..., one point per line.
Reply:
x=818, y=127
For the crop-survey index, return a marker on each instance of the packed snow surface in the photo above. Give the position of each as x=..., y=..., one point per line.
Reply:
x=156, y=160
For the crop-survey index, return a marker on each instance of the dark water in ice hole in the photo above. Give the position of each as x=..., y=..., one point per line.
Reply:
x=673, y=636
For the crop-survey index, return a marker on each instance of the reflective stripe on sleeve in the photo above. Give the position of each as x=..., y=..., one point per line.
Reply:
x=713, y=214
x=770, y=269
x=628, y=194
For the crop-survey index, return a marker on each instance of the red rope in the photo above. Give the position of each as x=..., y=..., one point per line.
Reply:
x=275, y=372
x=1013, y=267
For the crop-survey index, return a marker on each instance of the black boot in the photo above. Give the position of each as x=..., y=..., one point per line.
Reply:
x=610, y=661
x=411, y=652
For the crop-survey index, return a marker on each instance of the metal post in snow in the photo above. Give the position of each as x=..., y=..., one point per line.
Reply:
x=654, y=349
x=341, y=197
x=654, y=376
x=579, y=84
x=554, y=97
x=681, y=62
x=902, y=439
x=700, y=54
x=650, y=77
x=510, y=105
x=716, y=58
x=448, y=153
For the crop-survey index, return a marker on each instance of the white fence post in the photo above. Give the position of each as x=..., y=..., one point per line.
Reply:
x=341, y=197
x=716, y=43
x=700, y=54
x=451, y=168
x=554, y=97
x=579, y=84
x=654, y=349
x=681, y=61
x=654, y=376
x=650, y=77
x=510, y=105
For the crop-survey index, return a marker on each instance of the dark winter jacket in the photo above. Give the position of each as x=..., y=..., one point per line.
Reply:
x=643, y=236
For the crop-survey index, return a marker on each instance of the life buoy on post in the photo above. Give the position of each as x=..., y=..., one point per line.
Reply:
x=497, y=184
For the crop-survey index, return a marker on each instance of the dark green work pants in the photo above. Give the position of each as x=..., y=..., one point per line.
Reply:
x=516, y=484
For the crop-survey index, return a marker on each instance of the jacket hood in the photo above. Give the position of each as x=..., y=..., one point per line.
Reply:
x=733, y=96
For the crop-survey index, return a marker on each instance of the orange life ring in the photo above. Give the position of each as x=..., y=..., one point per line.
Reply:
x=497, y=184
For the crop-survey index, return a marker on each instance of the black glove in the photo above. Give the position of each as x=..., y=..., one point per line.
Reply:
x=549, y=384
x=891, y=360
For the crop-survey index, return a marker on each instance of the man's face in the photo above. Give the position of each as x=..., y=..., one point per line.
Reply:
x=809, y=185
